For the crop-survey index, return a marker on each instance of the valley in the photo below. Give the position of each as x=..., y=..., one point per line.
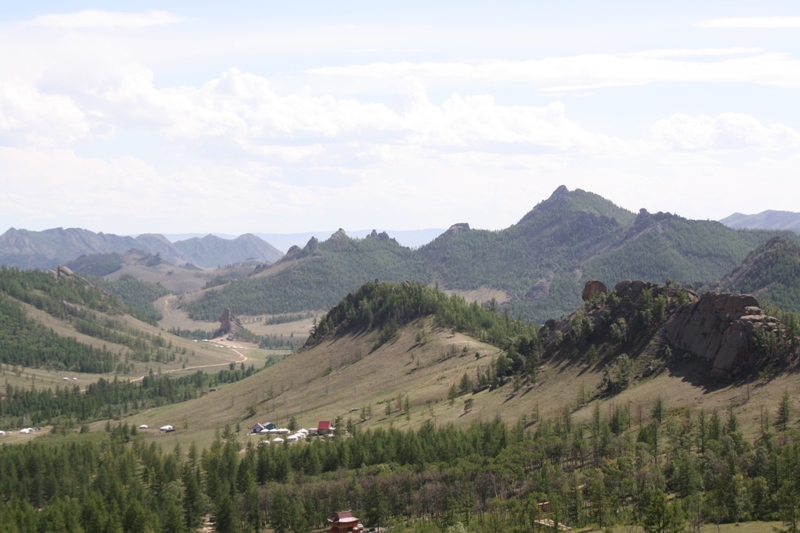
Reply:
x=525, y=360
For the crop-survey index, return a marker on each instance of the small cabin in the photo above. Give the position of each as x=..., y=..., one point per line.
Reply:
x=344, y=522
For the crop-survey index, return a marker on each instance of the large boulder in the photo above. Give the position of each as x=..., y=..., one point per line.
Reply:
x=719, y=328
x=592, y=288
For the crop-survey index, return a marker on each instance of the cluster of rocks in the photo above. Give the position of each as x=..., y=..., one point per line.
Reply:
x=720, y=328
x=61, y=272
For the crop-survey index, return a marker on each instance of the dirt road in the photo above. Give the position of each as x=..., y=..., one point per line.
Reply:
x=243, y=359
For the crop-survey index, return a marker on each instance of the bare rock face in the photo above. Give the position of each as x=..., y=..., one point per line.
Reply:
x=718, y=327
x=61, y=272
x=592, y=288
x=541, y=289
x=228, y=322
x=457, y=229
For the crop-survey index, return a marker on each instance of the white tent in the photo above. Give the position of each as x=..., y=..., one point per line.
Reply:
x=166, y=428
x=264, y=432
x=277, y=440
x=143, y=426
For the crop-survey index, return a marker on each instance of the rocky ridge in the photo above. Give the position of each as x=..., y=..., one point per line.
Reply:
x=665, y=323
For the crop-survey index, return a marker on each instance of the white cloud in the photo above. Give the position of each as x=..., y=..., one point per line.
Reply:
x=243, y=112
x=726, y=131
x=752, y=22
x=578, y=73
x=29, y=117
x=92, y=18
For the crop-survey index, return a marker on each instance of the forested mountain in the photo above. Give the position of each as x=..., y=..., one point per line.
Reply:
x=48, y=248
x=314, y=277
x=84, y=309
x=769, y=219
x=540, y=263
x=771, y=272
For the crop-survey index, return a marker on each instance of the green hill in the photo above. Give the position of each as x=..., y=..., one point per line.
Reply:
x=771, y=272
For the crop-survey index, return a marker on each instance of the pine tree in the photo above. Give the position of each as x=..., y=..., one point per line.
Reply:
x=784, y=411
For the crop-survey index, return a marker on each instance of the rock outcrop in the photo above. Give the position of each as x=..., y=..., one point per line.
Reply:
x=457, y=229
x=640, y=316
x=228, y=322
x=61, y=272
x=592, y=288
x=719, y=328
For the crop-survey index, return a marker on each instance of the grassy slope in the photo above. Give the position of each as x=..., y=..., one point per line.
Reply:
x=312, y=394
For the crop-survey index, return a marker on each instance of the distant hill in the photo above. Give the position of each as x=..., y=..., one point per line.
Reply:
x=154, y=269
x=785, y=220
x=211, y=251
x=411, y=238
x=48, y=248
x=44, y=249
x=771, y=272
x=540, y=264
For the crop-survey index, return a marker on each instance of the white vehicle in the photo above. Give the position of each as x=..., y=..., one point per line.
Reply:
x=166, y=429
x=2, y=433
x=143, y=426
x=64, y=379
x=25, y=431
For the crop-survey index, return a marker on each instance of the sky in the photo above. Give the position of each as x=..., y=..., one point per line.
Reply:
x=282, y=117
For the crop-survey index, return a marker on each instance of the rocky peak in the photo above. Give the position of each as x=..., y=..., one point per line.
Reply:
x=457, y=229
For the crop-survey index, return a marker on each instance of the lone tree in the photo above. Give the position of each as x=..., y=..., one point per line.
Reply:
x=784, y=411
x=468, y=403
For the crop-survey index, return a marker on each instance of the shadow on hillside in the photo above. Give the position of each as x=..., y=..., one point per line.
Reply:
x=697, y=373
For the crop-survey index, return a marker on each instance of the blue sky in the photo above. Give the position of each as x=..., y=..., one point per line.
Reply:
x=285, y=117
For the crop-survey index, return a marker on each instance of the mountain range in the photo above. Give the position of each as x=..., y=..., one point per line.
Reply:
x=536, y=267
x=45, y=249
x=786, y=220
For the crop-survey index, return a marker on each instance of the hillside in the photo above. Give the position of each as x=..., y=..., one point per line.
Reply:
x=771, y=272
x=773, y=220
x=154, y=269
x=539, y=264
x=402, y=356
x=48, y=248
x=592, y=414
x=72, y=352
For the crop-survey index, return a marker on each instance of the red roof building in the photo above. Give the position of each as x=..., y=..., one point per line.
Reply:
x=344, y=522
x=324, y=427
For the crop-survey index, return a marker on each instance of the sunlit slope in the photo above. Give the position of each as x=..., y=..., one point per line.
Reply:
x=404, y=354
